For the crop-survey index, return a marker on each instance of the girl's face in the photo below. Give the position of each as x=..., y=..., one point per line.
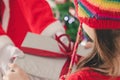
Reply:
x=89, y=31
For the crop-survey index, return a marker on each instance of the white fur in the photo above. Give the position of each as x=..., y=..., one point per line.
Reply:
x=4, y=41
x=6, y=15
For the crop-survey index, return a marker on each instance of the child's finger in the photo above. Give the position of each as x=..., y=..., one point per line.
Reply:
x=4, y=78
x=13, y=67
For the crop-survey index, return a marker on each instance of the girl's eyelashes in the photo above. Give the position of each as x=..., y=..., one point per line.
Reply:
x=86, y=36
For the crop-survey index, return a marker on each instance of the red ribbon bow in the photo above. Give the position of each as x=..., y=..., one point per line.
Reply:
x=67, y=52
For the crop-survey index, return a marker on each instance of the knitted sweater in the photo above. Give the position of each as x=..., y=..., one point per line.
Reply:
x=89, y=74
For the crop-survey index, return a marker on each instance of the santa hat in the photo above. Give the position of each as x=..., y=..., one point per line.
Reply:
x=99, y=14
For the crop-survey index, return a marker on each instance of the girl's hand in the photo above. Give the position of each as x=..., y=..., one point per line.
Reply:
x=15, y=73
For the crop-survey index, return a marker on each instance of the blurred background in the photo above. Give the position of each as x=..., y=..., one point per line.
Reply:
x=64, y=10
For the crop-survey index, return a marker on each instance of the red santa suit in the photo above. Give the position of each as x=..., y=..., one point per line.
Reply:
x=17, y=17
x=21, y=16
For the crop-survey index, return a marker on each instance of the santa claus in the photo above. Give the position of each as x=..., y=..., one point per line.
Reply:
x=17, y=17
x=21, y=16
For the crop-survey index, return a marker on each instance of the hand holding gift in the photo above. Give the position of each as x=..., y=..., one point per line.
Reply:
x=8, y=55
x=15, y=73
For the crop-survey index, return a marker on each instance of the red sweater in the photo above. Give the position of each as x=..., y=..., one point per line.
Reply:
x=89, y=74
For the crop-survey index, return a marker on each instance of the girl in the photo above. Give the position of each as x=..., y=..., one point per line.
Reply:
x=101, y=21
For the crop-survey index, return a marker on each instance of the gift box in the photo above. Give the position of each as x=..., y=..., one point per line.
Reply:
x=43, y=58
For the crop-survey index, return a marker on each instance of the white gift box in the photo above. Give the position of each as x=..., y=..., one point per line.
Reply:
x=45, y=68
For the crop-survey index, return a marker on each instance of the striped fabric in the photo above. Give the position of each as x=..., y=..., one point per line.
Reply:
x=99, y=14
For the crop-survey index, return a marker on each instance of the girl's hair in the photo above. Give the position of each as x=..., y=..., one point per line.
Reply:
x=103, y=57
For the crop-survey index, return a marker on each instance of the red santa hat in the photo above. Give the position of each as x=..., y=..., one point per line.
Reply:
x=99, y=14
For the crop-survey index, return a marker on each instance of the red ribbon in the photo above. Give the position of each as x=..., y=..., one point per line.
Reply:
x=39, y=52
x=66, y=54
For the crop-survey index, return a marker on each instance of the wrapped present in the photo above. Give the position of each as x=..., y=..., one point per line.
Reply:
x=43, y=57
